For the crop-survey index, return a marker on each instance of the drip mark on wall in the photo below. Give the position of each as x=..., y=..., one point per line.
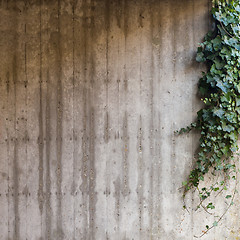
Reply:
x=15, y=159
x=48, y=220
x=40, y=121
x=117, y=195
x=140, y=172
x=7, y=81
x=119, y=12
x=151, y=126
x=92, y=176
x=125, y=167
x=40, y=150
x=84, y=147
x=60, y=232
x=92, y=172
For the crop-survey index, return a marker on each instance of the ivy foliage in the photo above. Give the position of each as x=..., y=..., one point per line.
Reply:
x=219, y=120
x=219, y=87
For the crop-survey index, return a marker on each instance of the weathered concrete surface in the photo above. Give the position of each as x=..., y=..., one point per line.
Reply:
x=91, y=92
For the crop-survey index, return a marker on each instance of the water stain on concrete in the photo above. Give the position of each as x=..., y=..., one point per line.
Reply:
x=125, y=153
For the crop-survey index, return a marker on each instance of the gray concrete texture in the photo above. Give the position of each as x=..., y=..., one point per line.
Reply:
x=91, y=93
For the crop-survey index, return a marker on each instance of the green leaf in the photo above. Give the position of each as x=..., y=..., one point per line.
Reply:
x=211, y=206
x=217, y=42
x=200, y=57
x=215, y=224
x=237, y=102
x=226, y=97
x=228, y=196
x=227, y=128
x=225, y=150
x=233, y=136
x=223, y=86
x=219, y=64
x=184, y=183
x=218, y=112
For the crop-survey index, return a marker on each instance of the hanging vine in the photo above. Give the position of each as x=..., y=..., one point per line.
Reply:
x=219, y=120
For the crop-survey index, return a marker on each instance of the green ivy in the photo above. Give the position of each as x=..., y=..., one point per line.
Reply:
x=219, y=87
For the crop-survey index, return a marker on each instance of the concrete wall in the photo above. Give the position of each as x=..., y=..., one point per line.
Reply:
x=91, y=92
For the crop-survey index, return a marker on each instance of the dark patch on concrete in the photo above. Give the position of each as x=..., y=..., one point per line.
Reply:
x=126, y=16
x=107, y=15
x=7, y=82
x=141, y=15
x=117, y=195
x=106, y=128
x=25, y=191
x=119, y=12
x=4, y=175
x=125, y=164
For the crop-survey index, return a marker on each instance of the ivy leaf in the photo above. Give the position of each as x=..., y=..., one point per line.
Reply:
x=226, y=97
x=231, y=117
x=225, y=150
x=228, y=196
x=238, y=110
x=238, y=88
x=217, y=43
x=223, y=86
x=233, y=136
x=200, y=57
x=211, y=206
x=227, y=128
x=219, y=64
x=237, y=102
x=215, y=224
x=218, y=112
x=184, y=183
x=225, y=51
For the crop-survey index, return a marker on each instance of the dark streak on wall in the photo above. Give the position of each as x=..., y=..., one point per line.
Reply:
x=59, y=125
x=16, y=233
x=48, y=209
x=40, y=138
x=125, y=151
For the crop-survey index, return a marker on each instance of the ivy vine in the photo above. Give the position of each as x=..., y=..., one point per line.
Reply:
x=219, y=120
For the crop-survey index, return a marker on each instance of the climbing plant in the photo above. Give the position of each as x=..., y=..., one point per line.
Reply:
x=219, y=120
